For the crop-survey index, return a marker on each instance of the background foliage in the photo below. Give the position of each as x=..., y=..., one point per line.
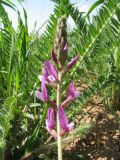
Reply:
x=96, y=38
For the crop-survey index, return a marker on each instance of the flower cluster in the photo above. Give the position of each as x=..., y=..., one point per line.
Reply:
x=50, y=76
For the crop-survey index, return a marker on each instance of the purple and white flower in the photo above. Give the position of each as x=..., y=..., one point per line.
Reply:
x=43, y=95
x=50, y=124
x=49, y=73
x=72, y=95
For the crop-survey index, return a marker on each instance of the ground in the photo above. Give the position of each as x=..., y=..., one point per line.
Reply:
x=103, y=141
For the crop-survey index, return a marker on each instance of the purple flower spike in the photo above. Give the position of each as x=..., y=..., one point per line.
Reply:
x=50, y=124
x=73, y=61
x=54, y=57
x=43, y=96
x=65, y=126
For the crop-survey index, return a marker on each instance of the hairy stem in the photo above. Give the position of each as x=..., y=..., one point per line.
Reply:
x=59, y=140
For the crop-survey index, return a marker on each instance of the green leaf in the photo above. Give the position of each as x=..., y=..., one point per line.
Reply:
x=9, y=4
x=97, y=3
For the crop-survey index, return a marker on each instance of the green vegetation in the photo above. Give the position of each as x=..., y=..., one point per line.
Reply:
x=96, y=38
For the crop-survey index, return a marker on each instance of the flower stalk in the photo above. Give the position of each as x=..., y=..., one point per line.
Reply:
x=59, y=138
x=52, y=75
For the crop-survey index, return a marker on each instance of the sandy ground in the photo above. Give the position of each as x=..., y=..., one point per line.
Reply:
x=103, y=141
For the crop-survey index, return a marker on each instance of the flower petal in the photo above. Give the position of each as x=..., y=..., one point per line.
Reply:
x=51, y=70
x=71, y=91
x=54, y=134
x=44, y=91
x=77, y=93
x=50, y=119
x=72, y=62
x=51, y=78
x=62, y=119
x=71, y=126
x=65, y=48
x=41, y=78
x=50, y=123
x=65, y=126
x=67, y=101
x=39, y=95
x=72, y=95
x=47, y=126
x=62, y=132
x=44, y=73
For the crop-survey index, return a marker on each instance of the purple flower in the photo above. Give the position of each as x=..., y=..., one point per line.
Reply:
x=51, y=70
x=70, y=64
x=73, y=61
x=50, y=124
x=50, y=120
x=49, y=73
x=43, y=96
x=65, y=126
x=72, y=92
x=72, y=95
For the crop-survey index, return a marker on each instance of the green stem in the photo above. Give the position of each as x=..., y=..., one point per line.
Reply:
x=59, y=139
